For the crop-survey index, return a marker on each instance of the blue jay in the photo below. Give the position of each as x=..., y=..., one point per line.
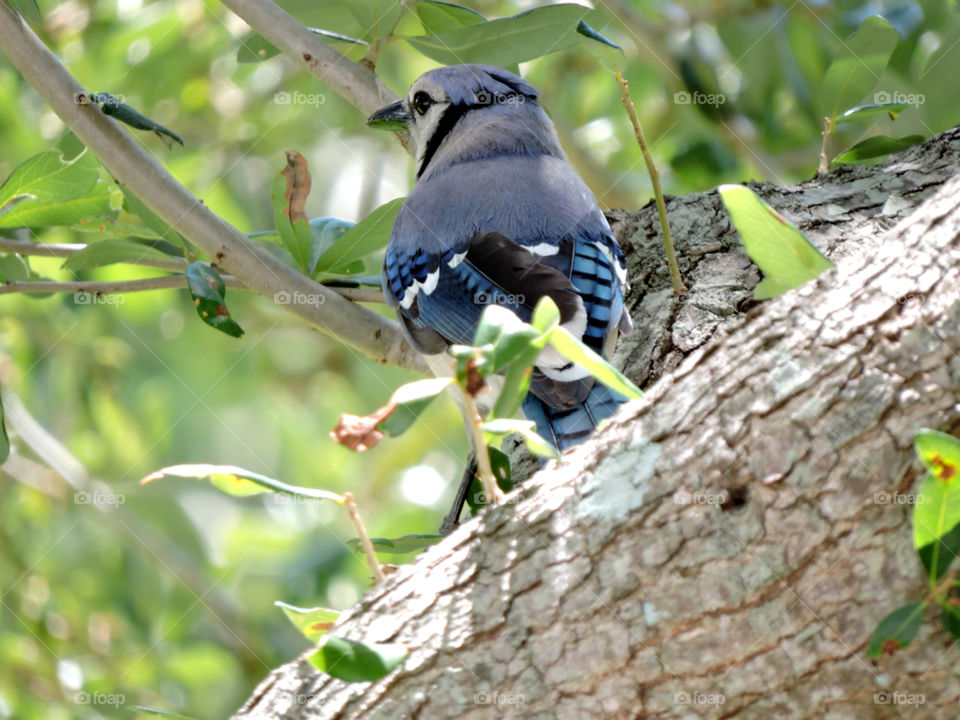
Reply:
x=498, y=216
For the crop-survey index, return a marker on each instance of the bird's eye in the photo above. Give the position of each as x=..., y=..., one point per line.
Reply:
x=422, y=102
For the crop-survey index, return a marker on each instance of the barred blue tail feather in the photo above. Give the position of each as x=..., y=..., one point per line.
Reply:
x=564, y=428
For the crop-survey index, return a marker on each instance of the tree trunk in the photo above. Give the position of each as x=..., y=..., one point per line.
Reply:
x=724, y=547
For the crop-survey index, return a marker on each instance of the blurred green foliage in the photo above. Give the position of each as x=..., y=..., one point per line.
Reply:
x=163, y=595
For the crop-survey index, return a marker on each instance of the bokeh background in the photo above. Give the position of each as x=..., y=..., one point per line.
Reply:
x=163, y=595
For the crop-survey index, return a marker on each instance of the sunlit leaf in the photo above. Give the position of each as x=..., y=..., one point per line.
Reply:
x=861, y=60
x=354, y=661
x=897, y=629
x=875, y=146
x=399, y=545
x=507, y=333
x=574, y=350
x=501, y=427
x=238, y=482
x=48, y=190
x=781, y=251
x=208, y=292
x=312, y=622
x=865, y=112
x=936, y=513
x=411, y=400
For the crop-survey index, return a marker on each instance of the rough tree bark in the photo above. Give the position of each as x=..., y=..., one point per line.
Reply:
x=722, y=548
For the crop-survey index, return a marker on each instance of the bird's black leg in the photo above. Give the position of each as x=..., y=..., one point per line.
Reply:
x=452, y=521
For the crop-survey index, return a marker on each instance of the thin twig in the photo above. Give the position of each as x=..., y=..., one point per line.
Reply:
x=25, y=248
x=827, y=131
x=365, y=330
x=103, y=287
x=166, y=282
x=475, y=428
x=372, y=560
x=678, y=286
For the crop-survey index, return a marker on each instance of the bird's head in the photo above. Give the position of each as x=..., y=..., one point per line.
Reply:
x=439, y=100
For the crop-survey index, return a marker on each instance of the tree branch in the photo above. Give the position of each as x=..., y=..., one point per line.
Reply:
x=130, y=164
x=722, y=548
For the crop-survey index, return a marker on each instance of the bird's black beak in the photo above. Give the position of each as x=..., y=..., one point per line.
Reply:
x=392, y=117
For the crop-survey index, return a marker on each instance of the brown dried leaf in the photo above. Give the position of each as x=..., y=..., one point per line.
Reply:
x=298, y=186
x=360, y=432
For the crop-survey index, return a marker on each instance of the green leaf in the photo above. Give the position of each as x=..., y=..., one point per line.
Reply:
x=238, y=482
x=865, y=112
x=876, y=146
x=113, y=228
x=312, y=622
x=508, y=334
x=137, y=207
x=509, y=40
x=111, y=106
x=858, y=67
x=501, y=427
x=29, y=9
x=411, y=400
x=951, y=616
x=366, y=237
x=295, y=235
x=939, y=453
x=13, y=268
x=500, y=464
x=781, y=251
x=397, y=546
x=938, y=555
x=897, y=629
x=572, y=349
x=546, y=315
x=376, y=17
x=4, y=438
x=324, y=233
x=354, y=661
x=208, y=291
x=589, y=32
x=226, y=478
x=110, y=252
x=516, y=382
x=936, y=513
x=256, y=48
x=39, y=191
x=439, y=16
x=157, y=711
